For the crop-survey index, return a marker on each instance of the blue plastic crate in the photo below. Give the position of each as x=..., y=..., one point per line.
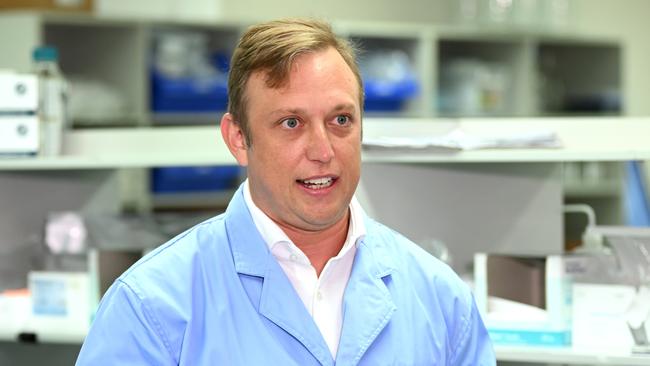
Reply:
x=194, y=179
x=187, y=94
x=388, y=96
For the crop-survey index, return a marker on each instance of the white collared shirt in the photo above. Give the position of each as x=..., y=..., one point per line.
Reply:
x=322, y=296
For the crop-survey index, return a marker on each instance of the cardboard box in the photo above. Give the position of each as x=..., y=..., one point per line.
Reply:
x=524, y=300
x=57, y=5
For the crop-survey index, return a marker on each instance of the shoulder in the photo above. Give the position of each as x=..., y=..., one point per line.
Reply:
x=408, y=258
x=173, y=264
x=426, y=278
x=156, y=298
x=157, y=294
x=430, y=290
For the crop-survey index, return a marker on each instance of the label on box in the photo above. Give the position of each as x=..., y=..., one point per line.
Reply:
x=530, y=337
x=49, y=296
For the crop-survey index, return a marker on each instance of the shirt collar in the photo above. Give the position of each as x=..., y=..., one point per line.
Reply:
x=273, y=235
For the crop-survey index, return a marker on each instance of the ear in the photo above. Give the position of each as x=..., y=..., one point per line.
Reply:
x=233, y=136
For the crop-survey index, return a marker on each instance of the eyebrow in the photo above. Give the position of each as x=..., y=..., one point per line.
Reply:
x=300, y=111
x=345, y=106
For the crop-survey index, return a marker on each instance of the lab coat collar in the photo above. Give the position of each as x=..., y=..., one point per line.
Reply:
x=249, y=252
x=278, y=300
x=367, y=303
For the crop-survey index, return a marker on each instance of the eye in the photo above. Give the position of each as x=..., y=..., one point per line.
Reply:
x=342, y=120
x=290, y=123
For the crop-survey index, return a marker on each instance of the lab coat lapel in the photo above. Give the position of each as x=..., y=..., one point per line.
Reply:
x=278, y=301
x=280, y=304
x=367, y=305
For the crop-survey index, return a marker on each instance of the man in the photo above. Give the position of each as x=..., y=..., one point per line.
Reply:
x=293, y=273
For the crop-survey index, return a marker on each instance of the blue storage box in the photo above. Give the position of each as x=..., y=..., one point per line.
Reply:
x=188, y=94
x=194, y=179
x=384, y=95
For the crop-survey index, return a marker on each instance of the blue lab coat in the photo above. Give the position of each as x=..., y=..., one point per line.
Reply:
x=215, y=295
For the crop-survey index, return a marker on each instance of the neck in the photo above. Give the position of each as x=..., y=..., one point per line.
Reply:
x=320, y=246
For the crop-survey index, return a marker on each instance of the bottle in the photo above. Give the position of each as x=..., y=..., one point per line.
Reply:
x=52, y=100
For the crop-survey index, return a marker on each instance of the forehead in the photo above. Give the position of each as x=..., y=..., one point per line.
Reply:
x=317, y=71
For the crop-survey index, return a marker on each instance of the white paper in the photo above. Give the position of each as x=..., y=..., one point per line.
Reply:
x=457, y=139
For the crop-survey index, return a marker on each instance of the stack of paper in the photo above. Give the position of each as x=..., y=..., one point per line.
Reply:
x=457, y=139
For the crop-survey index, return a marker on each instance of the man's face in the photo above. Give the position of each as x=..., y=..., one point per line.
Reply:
x=304, y=162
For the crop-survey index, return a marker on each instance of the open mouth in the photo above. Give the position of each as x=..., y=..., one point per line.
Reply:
x=317, y=183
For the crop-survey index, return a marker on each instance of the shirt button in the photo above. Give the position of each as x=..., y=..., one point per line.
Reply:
x=293, y=257
x=319, y=296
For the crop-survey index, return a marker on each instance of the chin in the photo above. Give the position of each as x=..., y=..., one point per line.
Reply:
x=326, y=220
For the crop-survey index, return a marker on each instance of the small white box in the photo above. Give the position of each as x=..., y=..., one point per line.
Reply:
x=599, y=316
x=19, y=134
x=18, y=92
x=62, y=303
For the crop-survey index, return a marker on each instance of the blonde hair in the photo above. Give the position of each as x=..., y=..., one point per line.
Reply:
x=272, y=47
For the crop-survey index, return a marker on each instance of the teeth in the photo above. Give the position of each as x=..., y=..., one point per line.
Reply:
x=318, y=183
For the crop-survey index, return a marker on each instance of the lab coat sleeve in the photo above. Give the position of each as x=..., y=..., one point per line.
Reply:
x=473, y=347
x=125, y=332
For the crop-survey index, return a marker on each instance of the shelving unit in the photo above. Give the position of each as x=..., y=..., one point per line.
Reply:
x=572, y=81
x=538, y=71
x=539, y=68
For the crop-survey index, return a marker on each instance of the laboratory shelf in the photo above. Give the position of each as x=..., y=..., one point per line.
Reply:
x=113, y=148
x=582, y=139
x=526, y=57
x=569, y=356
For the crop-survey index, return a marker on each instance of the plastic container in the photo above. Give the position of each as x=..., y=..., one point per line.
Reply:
x=187, y=94
x=194, y=179
x=388, y=96
x=53, y=98
x=186, y=76
x=389, y=80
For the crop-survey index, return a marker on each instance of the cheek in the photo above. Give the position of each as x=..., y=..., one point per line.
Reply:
x=275, y=161
x=350, y=148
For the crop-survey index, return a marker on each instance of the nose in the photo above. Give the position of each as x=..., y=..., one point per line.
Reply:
x=319, y=146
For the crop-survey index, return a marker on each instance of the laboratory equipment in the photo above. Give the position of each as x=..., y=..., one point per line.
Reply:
x=473, y=87
x=19, y=131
